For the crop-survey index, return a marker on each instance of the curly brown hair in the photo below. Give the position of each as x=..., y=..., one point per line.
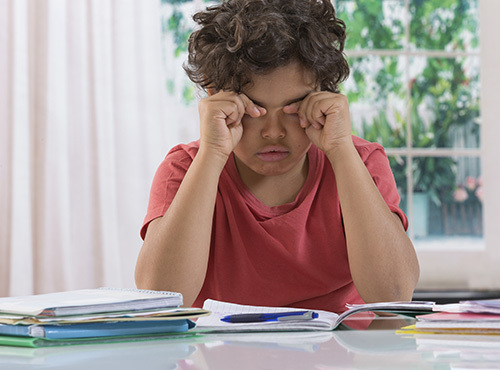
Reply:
x=238, y=38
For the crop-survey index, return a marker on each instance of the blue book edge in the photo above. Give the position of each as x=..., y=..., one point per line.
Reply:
x=100, y=329
x=31, y=342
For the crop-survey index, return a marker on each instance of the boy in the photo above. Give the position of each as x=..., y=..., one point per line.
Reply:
x=277, y=204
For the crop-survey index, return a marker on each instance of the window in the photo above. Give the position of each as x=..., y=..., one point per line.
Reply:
x=415, y=87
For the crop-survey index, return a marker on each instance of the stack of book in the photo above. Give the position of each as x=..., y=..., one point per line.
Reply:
x=93, y=315
x=466, y=317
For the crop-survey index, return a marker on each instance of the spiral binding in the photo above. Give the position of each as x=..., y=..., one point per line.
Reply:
x=162, y=292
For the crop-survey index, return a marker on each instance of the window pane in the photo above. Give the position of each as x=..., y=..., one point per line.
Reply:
x=177, y=25
x=376, y=93
x=398, y=166
x=447, y=198
x=449, y=25
x=445, y=102
x=373, y=24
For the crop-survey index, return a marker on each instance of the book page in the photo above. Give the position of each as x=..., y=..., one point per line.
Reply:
x=325, y=321
x=227, y=308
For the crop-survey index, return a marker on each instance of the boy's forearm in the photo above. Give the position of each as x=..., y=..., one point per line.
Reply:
x=176, y=248
x=382, y=259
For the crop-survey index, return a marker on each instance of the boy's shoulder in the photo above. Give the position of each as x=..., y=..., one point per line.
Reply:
x=183, y=152
x=366, y=148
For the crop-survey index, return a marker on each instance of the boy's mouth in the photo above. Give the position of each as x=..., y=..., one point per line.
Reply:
x=273, y=154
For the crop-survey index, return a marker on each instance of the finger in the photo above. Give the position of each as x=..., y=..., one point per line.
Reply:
x=318, y=112
x=250, y=108
x=227, y=107
x=312, y=133
x=295, y=108
x=238, y=106
x=303, y=110
x=305, y=113
x=229, y=112
x=313, y=112
x=292, y=108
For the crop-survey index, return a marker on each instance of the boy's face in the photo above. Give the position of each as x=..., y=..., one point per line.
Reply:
x=274, y=144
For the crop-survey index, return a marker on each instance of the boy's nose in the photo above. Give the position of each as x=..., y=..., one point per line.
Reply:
x=273, y=127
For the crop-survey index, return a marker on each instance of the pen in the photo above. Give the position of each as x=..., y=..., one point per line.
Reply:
x=277, y=316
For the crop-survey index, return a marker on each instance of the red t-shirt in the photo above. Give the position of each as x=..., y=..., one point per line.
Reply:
x=289, y=255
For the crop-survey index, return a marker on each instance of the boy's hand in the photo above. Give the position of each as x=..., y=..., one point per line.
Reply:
x=325, y=117
x=220, y=120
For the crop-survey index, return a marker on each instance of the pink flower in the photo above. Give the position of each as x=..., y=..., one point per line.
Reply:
x=470, y=183
x=460, y=194
x=480, y=193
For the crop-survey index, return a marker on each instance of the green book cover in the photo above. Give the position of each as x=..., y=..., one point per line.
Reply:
x=7, y=340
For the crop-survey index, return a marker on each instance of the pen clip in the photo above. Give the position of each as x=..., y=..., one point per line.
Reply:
x=296, y=315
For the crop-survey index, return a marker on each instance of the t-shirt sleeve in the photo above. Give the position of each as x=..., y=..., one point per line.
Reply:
x=377, y=163
x=166, y=182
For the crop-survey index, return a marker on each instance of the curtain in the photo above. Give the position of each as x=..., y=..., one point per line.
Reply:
x=82, y=130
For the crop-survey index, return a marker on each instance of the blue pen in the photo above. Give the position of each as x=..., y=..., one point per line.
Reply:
x=277, y=316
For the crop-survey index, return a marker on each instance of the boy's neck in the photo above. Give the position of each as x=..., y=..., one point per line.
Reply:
x=275, y=190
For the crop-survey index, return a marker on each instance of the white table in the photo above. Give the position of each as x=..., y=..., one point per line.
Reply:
x=379, y=347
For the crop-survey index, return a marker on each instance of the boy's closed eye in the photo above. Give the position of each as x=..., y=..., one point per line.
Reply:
x=290, y=106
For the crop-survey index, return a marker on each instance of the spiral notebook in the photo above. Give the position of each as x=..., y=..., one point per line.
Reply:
x=88, y=301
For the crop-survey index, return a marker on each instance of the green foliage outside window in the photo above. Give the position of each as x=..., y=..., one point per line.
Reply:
x=442, y=92
x=178, y=25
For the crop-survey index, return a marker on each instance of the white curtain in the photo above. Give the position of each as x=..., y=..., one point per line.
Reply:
x=82, y=130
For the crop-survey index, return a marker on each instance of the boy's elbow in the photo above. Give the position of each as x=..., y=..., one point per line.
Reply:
x=402, y=289
x=394, y=290
x=403, y=283
x=145, y=281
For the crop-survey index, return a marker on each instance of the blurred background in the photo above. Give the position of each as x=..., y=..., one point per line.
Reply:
x=93, y=95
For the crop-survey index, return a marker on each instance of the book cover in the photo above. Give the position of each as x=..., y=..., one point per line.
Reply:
x=10, y=340
x=87, y=301
x=160, y=315
x=458, y=320
x=95, y=330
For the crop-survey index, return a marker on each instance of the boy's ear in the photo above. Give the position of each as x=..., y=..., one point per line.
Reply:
x=211, y=91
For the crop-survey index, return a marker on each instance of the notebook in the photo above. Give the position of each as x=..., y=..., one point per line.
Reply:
x=95, y=330
x=88, y=301
x=325, y=320
x=17, y=341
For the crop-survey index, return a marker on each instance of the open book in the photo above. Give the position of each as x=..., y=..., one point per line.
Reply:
x=325, y=320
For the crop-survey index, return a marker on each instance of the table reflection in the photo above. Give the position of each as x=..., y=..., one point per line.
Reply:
x=340, y=349
x=375, y=346
x=160, y=354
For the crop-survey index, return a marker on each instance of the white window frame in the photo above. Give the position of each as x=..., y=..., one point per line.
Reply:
x=475, y=266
